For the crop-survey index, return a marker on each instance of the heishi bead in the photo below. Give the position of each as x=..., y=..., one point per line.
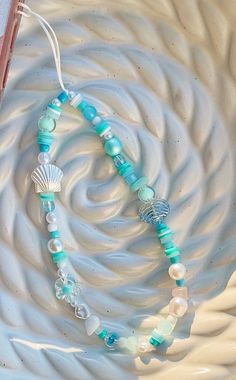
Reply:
x=165, y=327
x=96, y=120
x=172, y=251
x=180, y=291
x=54, y=234
x=44, y=138
x=125, y=169
x=130, y=177
x=178, y=306
x=113, y=146
x=76, y=100
x=47, y=196
x=51, y=217
x=52, y=227
x=177, y=271
x=58, y=257
x=55, y=245
x=180, y=282
x=89, y=112
x=44, y=158
x=53, y=111
x=63, y=97
x=140, y=182
x=146, y=193
x=46, y=124
x=153, y=342
x=102, y=334
x=175, y=259
x=102, y=127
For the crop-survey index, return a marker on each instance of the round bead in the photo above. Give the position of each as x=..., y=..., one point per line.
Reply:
x=89, y=112
x=96, y=120
x=55, y=245
x=146, y=193
x=178, y=306
x=52, y=227
x=44, y=158
x=47, y=205
x=46, y=124
x=113, y=146
x=51, y=217
x=177, y=271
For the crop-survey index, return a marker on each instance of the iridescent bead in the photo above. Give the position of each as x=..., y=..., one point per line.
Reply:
x=52, y=227
x=113, y=146
x=178, y=306
x=82, y=311
x=108, y=135
x=146, y=193
x=102, y=127
x=118, y=160
x=177, y=271
x=56, y=102
x=44, y=158
x=89, y=112
x=55, y=245
x=51, y=217
x=91, y=324
x=46, y=124
x=71, y=94
x=180, y=292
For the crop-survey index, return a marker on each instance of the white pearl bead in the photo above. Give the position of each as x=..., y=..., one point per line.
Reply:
x=52, y=227
x=51, y=217
x=96, y=120
x=55, y=245
x=177, y=271
x=44, y=158
x=178, y=306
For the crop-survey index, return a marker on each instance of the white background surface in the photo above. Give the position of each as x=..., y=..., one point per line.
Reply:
x=163, y=73
x=4, y=9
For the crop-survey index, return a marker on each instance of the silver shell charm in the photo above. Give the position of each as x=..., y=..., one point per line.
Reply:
x=47, y=178
x=153, y=211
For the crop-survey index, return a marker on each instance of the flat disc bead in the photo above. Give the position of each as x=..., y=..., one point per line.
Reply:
x=113, y=146
x=177, y=271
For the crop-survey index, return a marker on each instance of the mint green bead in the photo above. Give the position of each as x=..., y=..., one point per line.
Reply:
x=172, y=251
x=113, y=146
x=102, y=334
x=140, y=182
x=46, y=124
x=58, y=257
x=125, y=169
x=146, y=193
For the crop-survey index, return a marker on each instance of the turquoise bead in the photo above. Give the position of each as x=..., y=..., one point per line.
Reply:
x=54, y=234
x=156, y=335
x=89, y=112
x=172, y=251
x=146, y=193
x=46, y=124
x=160, y=226
x=153, y=342
x=47, y=196
x=180, y=282
x=101, y=127
x=113, y=146
x=44, y=138
x=102, y=334
x=44, y=148
x=130, y=178
x=175, y=259
x=125, y=169
x=63, y=97
x=111, y=339
x=82, y=105
x=47, y=206
x=67, y=289
x=58, y=257
x=140, y=182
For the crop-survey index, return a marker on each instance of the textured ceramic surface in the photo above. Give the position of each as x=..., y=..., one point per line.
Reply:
x=165, y=74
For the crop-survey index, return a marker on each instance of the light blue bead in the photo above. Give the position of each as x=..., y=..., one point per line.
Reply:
x=113, y=146
x=130, y=178
x=44, y=148
x=63, y=97
x=89, y=112
x=47, y=206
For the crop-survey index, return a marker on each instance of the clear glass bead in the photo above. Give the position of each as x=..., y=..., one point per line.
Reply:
x=119, y=160
x=47, y=206
x=82, y=311
x=144, y=346
x=55, y=245
x=180, y=291
x=44, y=158
x=108, y=135
x=178, y=306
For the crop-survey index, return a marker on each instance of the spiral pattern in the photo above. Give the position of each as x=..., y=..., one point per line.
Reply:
x=163, y=73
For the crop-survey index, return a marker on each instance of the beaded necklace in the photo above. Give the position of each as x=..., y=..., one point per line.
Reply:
x=153, y=210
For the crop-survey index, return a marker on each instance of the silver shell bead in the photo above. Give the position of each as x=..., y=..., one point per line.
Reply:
x=154, y=210
x=47, y=178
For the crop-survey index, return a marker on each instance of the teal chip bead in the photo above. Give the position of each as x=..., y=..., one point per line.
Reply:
x=113, y=146
x=180, y=282
x=89, y=112
x=102, y=334
x=58, y=257
x=63, y=97
x=44, y=148
x=140, y=182
x=153, y=342
x=46, y=124
x=101, y=127
x=175, y=259
x=44, y=138
x=54, y=234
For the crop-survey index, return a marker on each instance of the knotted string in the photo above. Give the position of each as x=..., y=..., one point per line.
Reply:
x=51, y=35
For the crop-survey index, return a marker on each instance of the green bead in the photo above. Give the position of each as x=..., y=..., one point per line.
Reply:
x=113, y=146
x=172, y=251
x=175, y=259
x=101, y=127
x=58, y=257
x=46, y=124
x=157, y=336
x=153, y=342
x=138, y=184
x=146, y=193
x=102, y=334
x=47, y=196
x=54, y=234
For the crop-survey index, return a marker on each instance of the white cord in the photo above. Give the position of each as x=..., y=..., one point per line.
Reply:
x=27, y=12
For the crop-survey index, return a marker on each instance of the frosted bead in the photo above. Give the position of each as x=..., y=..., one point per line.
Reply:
x=91, y=324
x=178, y=306
x=52, y=227
x=51, y=217
x=173, y=320
x=146, y=193
x=180, y=291
x=44, y=158
x=56, y=102
x=132, y=343
x=96, y=120
x=144, y=346
x=122, y=342
x=46, y=124
x=165, y=327
x=177, y=271
x=55, y=245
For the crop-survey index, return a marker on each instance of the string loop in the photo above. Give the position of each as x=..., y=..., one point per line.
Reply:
x=51, y=35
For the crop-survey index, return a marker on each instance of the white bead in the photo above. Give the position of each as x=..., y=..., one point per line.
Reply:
x=122, y=342
x=55, y=245
x=91, y=324
x=71, y=94
x=178, y=306
x=177, y=271
x=96, y=120
x=144, y=346
x=77, y=99
x=44, y=158
x=51, y=217
x=56, y=102
x=131, y=343
x=52, y=227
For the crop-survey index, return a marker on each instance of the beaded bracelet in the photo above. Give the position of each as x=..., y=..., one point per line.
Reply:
x=47, y=179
